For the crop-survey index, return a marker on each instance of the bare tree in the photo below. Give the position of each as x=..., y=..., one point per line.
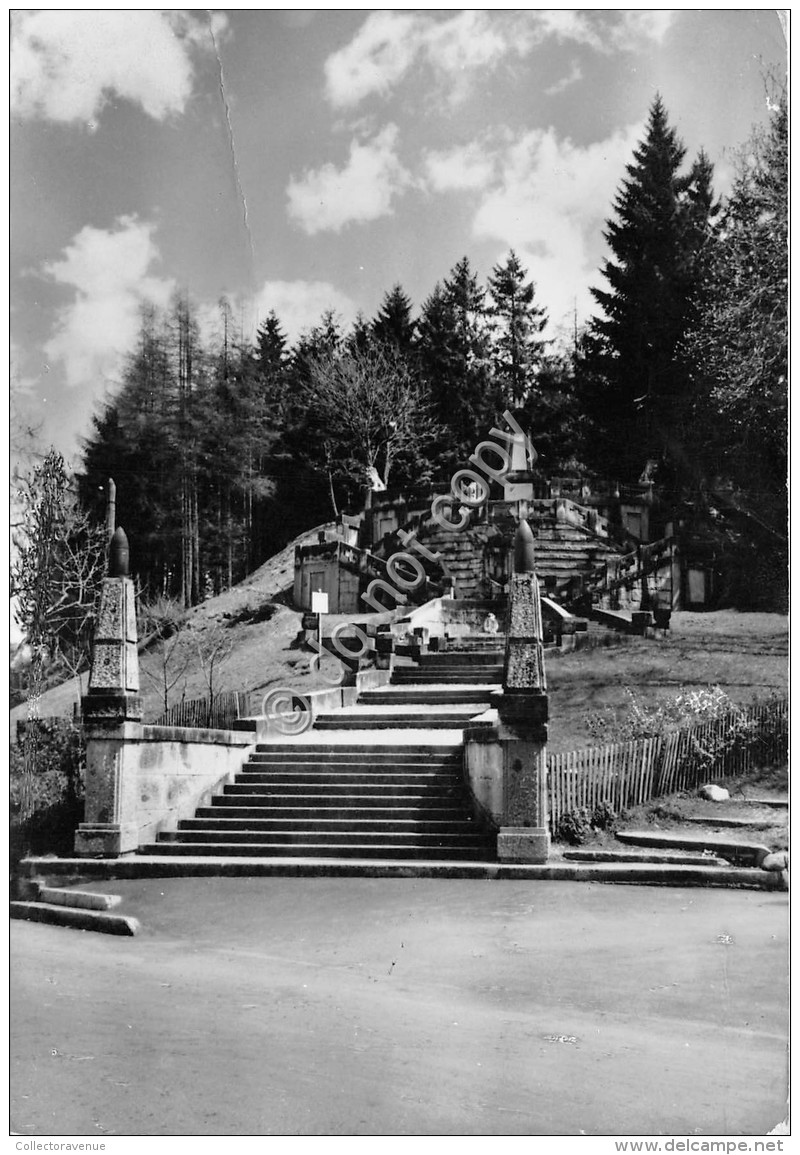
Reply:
x=213, y=648
x=58, y=561
x=163, y=622
x=369, y=403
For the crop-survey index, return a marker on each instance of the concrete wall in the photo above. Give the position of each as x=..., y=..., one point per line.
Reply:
x=141, y=780
x=178, y=769
x=323, y=701
x=483, y=771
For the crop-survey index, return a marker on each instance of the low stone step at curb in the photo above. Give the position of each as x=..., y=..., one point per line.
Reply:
x=667, y=857
x=75, y=917
x=317, y=850
x=82, y=899
x=746, y=852
x=734, y=823
x=774, y=803
x=642, y=874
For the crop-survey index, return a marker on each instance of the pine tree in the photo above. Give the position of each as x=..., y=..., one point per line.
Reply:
x=738, y=344
x=516, y=323
x=455, y=364
x=661, y=218
x=270, y=351
x=393, y=324
x=359, y=338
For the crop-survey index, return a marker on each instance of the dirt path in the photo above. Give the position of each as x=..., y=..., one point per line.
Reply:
x=369, y=1006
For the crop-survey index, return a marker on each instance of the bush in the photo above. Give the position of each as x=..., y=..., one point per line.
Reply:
x=642, y=719
x=578, y=826
x=46, y=810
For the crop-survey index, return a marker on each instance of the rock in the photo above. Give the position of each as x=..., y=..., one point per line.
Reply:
x=778, y=860
x=714, y=793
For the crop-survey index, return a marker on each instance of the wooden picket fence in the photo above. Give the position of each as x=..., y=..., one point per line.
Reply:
x=227, y=708
x=627, y=774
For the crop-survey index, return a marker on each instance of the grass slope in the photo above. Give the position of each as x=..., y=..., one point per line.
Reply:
x=745, y=654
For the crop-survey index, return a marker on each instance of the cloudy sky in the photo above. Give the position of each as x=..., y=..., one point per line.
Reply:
x=306, y=160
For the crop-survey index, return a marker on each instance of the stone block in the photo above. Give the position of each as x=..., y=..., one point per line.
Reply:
x=106, y=839
x=524, y=666
x=110, y=709
x=110, y=620
x=523, y=844
x=107, y=665
x=525, y=615
x=522, y=709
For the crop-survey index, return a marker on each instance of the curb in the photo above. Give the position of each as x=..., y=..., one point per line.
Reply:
x=636, y=874
x=752, y=852
x=75, y=917
x=82, y=899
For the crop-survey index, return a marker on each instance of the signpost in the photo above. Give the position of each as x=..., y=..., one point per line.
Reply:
x=319, y=606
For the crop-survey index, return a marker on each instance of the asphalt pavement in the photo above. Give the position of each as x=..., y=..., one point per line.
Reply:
x=354, y=1006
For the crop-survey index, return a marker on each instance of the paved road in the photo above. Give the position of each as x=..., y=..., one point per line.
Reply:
x=399, y=1006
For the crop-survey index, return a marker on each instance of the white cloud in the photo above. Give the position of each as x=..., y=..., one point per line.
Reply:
x=379, y=55
x=67, y=63
x=22, y=386
x=572, y=77
x=550, y=204
x=569, y=24
x=109, y=272
x=458, y=48
x=635, y=26
x=300, y=304
x=471, y=43
x=469, y=166
x=328, y=198
x=389, y=44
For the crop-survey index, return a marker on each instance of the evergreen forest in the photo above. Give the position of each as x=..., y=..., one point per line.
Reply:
x=223, y=447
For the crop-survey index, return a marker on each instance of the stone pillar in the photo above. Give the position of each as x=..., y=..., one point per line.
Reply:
x=112, y=714
x=522, y=715
x=518, y=482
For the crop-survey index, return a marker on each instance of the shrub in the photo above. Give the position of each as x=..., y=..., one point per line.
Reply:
x=46, y=810
x=578, y=826
x=642, y=719
x=574, y=827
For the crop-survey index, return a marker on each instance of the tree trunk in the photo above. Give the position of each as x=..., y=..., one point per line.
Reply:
x=195, y=545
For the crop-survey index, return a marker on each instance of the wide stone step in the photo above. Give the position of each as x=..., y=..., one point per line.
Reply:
x=352, y=763
x=371, y=721
x=461, y=658
x=479, y=852
x=330, y=795
x=462, y=675
x=255, y=805
x=322, y=776
x=309, y=814
x=422, y=696
x=241, y=830
x=342, y=750
x=321, y=837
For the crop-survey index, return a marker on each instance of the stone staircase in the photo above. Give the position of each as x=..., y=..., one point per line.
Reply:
x=563, y=551
x=566, y=551
x=340, y=791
